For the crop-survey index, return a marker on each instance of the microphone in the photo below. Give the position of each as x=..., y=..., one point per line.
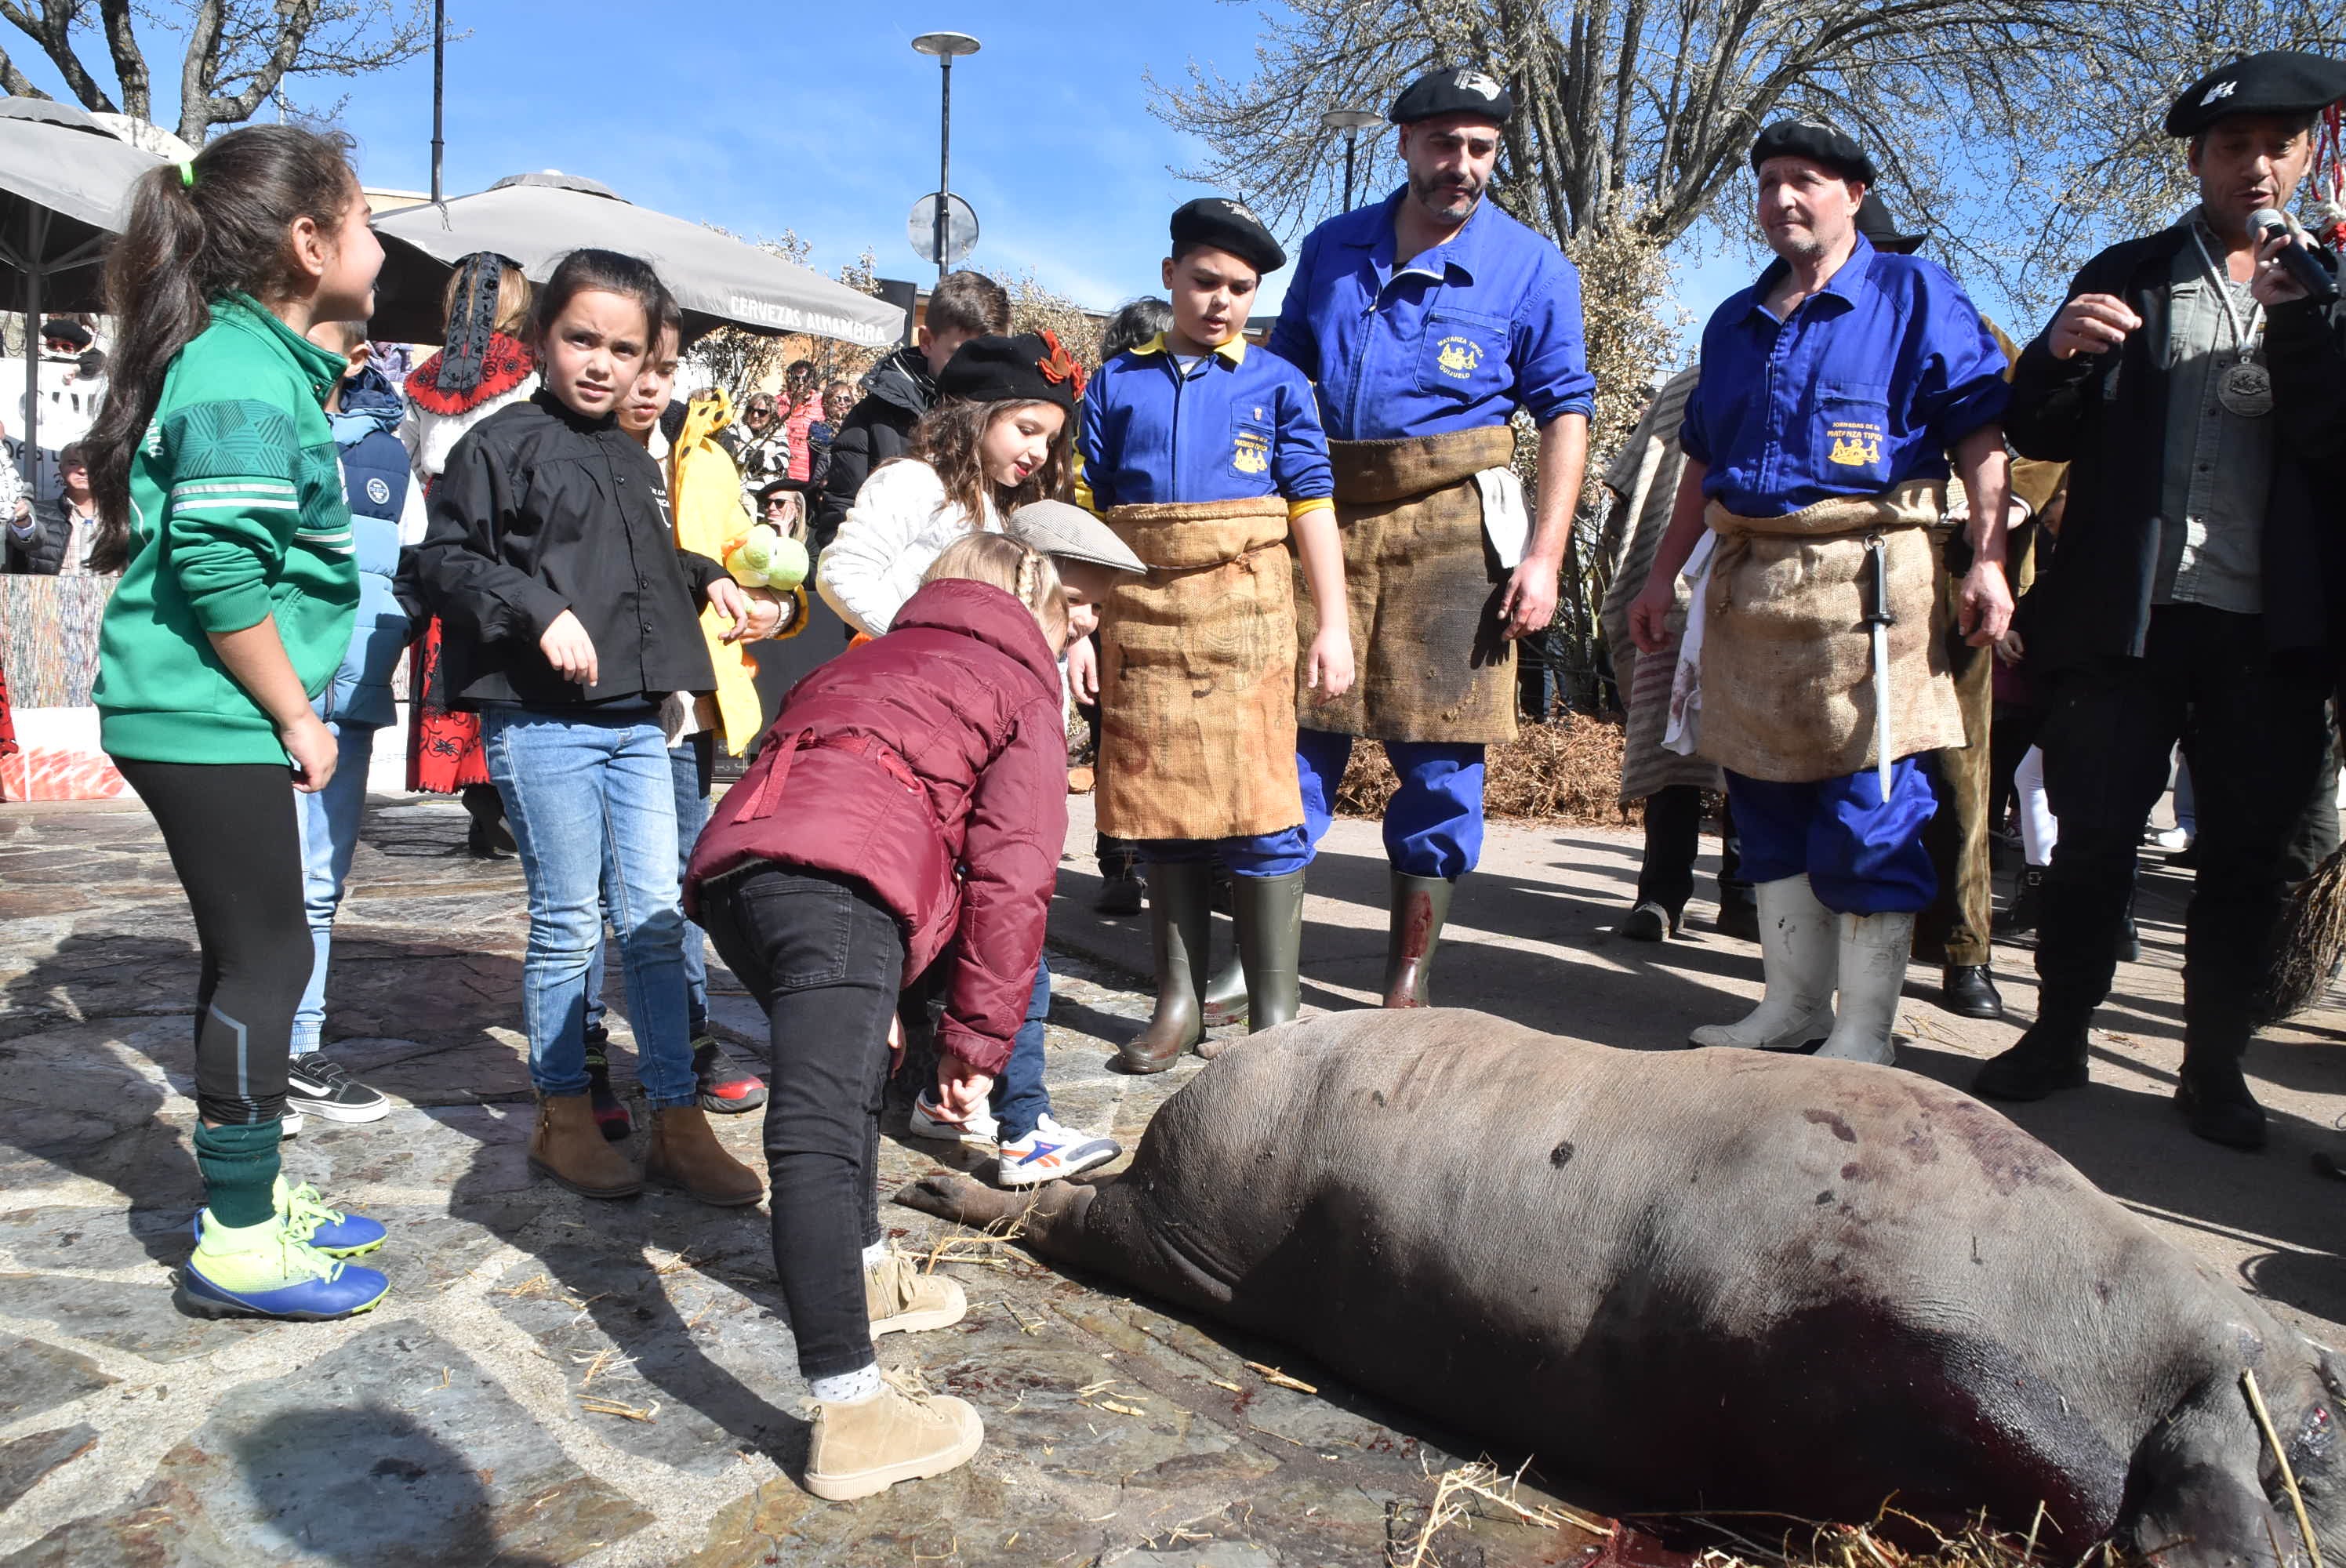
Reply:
x=2310, y=274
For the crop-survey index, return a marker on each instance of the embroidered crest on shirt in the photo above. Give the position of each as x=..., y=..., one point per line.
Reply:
x=1458, y=358
x=1854, y=445
x=1251, y=452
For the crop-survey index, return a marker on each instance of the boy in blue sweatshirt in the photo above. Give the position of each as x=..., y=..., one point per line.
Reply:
x=1208, y=458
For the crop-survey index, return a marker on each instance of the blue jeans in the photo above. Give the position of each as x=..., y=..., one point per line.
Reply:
x=1249, y=855
x=1433, y=823
x=689, y=764
x=1863, y=855
x=591, y=800
x=1019, y=1099
x=329, y=824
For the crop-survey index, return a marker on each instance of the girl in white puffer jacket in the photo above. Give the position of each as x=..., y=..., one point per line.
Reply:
x=982, y=452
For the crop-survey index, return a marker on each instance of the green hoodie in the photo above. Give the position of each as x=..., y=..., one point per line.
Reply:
x=237, y=515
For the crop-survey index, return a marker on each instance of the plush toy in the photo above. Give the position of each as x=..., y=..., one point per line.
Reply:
x=768, y=558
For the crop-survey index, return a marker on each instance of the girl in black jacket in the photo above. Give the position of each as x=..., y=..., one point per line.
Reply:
x=572, y=627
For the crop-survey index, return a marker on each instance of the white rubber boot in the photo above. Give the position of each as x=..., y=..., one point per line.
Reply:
x=1874, y=950
x=1797, y=956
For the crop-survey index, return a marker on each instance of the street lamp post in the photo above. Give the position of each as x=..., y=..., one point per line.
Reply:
x=944, y=47
x=439, y=60
x=1352, y=122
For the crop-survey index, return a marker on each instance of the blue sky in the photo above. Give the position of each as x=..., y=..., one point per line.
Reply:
x=823, y=120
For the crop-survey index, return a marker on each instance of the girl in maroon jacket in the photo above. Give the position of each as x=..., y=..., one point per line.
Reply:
x=911, y=796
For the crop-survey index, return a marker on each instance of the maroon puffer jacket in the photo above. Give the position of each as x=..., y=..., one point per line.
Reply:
x=931, y=764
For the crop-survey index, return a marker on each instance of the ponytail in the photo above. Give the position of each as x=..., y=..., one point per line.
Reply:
x=213, y=226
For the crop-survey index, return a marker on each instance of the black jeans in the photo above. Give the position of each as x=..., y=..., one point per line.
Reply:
x=1674, y=842
x=237, y=849
x=825, y=957
x=2253, y=727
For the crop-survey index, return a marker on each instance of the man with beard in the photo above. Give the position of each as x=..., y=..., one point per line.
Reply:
x=2186, y=596
x=1426, y=320
x=1817, y=444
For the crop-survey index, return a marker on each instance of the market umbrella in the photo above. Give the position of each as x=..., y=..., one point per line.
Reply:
x=65, y=180
x=534, y=218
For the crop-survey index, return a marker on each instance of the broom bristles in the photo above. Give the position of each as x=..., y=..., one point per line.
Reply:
x=2307, y=944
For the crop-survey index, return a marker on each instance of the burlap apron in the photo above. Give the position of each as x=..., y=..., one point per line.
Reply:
x=1422, y=586
x=1197, y=675
x=1787, y=659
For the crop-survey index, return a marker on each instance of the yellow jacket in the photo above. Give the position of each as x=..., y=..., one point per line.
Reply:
x=705, y=497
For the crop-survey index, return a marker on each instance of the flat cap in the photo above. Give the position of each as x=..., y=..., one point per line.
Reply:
x=1226, y=225
x=1880, y=227
x=1822, y=144
x=1461, y=90
x=1055, y=528
x=2276, y=81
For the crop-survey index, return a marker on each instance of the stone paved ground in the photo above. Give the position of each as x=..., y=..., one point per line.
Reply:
x=454, y=1425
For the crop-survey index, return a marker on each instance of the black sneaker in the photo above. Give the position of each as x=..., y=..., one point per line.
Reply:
x=1120, y=892
x=325, y=1088
x=1649, y=921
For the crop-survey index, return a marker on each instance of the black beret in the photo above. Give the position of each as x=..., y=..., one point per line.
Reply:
x=1818, y=143
x=1464, y=90
x=1226, y=225
x=1880, y=226
x=67, y=329
x=1029, y=368
x=2276, y=82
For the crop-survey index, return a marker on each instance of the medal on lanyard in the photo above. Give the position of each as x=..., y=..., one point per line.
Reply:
x=2246, y=391
x=2245, y=388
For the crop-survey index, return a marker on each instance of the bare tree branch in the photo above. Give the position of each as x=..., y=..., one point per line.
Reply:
x=236, y=55
x=15, y=81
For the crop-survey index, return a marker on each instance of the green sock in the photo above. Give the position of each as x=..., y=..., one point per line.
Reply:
x=239, y=1165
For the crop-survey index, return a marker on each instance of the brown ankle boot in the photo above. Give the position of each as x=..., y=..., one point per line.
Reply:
x=568, y=1146
x=686, y=1155
x=868, y=1447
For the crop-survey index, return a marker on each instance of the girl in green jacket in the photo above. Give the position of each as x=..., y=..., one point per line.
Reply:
x=238, y=590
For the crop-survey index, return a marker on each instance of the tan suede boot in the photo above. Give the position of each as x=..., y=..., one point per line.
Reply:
x=898, y=1295
x=568, y=1146
x=870, y=1446
x=686, y=1155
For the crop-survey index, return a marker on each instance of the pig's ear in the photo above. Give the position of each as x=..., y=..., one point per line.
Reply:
x=2194, y=1494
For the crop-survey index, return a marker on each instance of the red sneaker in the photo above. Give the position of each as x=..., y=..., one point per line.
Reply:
x=725, y=1089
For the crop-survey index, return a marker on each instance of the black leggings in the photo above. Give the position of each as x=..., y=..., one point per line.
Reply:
x=234, y=843
x=825, y=958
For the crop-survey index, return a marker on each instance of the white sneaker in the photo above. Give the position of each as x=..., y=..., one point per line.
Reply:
x=981, y=1127
x=2171, y=838
x=1052, y=1152
x=292, y=1125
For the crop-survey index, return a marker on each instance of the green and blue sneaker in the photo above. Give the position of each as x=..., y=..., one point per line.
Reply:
x=266, y=1270
x=329, y=1230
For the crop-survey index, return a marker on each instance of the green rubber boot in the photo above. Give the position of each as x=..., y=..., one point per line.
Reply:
x=1413, y=933
x=1270, y=913
x=1179, y=916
